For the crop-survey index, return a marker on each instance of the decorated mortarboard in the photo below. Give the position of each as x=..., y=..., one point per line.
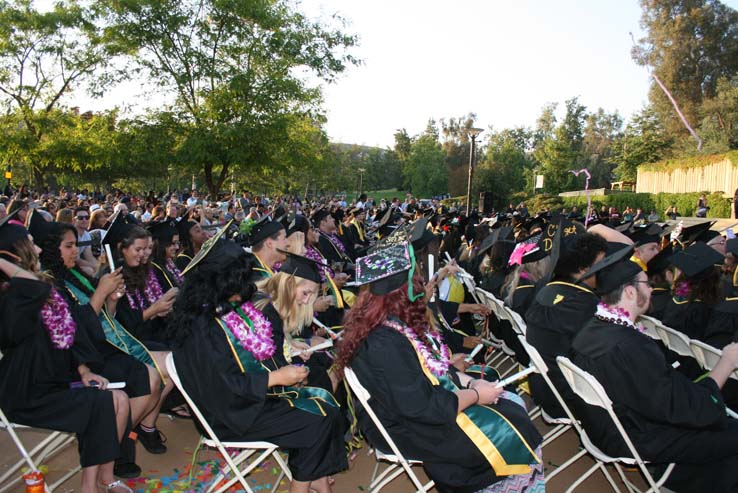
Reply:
x=698, y=232
x=318, y=215
x=302, y=267
x=535, y=223
x=10, y=232
x=117, y=231
x=613, y=276
x=420, y=235
x=615, y=257
x=216, y=253
x=660, y=261
x=259, y=230
x=387, y=269
x=163, y=230
x=524, y=247
x=696, y=260
x=299, y=223
x=40, y=228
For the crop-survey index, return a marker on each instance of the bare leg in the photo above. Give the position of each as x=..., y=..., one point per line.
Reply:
x=120, y=402
x=149, y=419
x=89, y=479
x=299, y=486
x=321, y=485
x=143, y=405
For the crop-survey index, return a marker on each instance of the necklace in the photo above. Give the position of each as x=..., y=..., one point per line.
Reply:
x=172, y=267
x=436, y=357
x=616, y=315
x=252, y=329
x=152, y=292
x=58, y=321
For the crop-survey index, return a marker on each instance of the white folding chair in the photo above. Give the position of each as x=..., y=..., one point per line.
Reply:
x=708, y=356
x=504, y=354
x=247, y=448
x=591, y=391
x=52, y=444
x=650, y=324
x=675, y=341
x=517, y=321
x=397, y=462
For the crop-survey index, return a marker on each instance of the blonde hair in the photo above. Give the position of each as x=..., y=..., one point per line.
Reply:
x=281, y=291
x=535, y=270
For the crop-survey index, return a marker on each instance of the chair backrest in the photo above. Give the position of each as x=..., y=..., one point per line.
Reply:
x=675, y=341
x=491, y=301
x=363, y=395
x=172, y=369
x=651, y=325
x=516, y=321
x=706, y=355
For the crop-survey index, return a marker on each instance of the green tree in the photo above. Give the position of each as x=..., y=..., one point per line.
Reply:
x=601, y=132
x=560, y=152
x=456, y=147
x=503, y=169
x=719, y=126
x=426, y=171
x=43, y=56
x=238, y=71
x=644, y=141
x=689, y=45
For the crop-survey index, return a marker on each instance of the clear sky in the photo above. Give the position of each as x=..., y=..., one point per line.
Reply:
x=500, y=59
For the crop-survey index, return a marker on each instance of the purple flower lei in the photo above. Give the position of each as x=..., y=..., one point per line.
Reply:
x=682, y=289
x=436, y=360
x=172, y=267
x=152, y=292
x=57, y=319
x=616, y=315
x=333, y=238
x=252, y=329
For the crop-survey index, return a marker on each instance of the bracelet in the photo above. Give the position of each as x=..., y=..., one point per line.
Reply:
x=476, y=392
x=16, y=272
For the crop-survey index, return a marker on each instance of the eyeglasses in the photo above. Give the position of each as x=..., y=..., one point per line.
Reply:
x=650, y=284
x=82, y=218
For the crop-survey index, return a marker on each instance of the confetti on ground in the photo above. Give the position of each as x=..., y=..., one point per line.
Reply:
x=204, y=473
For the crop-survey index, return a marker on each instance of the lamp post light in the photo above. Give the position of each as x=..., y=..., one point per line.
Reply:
x=361, y=179
x=473, y=133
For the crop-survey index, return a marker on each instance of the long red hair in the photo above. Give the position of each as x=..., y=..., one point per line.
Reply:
x=370, y=310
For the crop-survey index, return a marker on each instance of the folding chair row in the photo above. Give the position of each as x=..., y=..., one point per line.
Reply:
x=52, y=444
x=247, y=448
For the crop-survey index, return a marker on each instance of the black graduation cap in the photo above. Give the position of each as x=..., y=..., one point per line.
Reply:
x=660, y=262
x=387, y=269
x=216, y=253
x=355, y=211
x=184, y=226
x=500, y=234
x=624, y=227
x=260, y=230
x=697, y=260
x=10, y=233
x=420, y=235
x=117, y=231
x=318, y=215
x=544, y=242
x=298, y=223
x=338, y=215
x=609, y=260
x=646, y=234
x=302, y=267
x=698, y=232
x=614, y=275
x=163, y=231
x=40, y=228
x=386, y=224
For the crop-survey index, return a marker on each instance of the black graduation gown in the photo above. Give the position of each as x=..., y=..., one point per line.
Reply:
x=331, y=252
x=420, y=417
x=722, y=329
x=183, y=259
x=557, y=314
x=659, y=299
x=35, y=376
x=668, y=417
x=318, y=376
x=237, y=407
x=689, y=318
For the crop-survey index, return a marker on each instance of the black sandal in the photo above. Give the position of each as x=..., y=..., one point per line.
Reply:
x=181, y=412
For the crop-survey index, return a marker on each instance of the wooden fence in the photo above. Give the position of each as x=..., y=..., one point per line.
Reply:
x=721, y=176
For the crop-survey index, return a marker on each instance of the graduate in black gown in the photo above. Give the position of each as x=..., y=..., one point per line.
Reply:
x=668, y=417
x=661, y=275
x=44, y=351
x=560, y=310
x=421, y=400
x=223, y=341
x=191, y=236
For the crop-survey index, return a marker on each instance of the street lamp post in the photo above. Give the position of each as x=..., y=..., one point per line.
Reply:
x=361, y=179
x=473, y=132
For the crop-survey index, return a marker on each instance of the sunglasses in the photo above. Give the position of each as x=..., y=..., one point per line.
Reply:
x=82, y=218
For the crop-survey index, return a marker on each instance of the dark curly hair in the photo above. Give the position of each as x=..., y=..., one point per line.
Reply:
x=580, y=255
x=51, y=260
x=370, y=310
x=205, y=293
